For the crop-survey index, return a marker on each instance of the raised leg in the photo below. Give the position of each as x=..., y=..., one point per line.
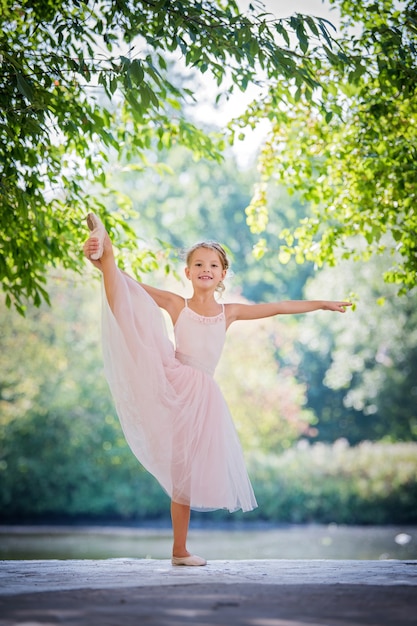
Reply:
x=106, y=263
x=110, y=271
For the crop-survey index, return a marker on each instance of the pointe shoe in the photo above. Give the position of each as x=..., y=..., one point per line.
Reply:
x=193, y=559
x=97, y=229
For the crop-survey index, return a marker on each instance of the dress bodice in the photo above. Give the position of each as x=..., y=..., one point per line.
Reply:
x=199, y=339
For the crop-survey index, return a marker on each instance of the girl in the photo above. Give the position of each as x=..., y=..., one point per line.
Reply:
x=172, y=412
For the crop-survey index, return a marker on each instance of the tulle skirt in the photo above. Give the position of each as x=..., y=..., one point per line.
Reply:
x=174, y=416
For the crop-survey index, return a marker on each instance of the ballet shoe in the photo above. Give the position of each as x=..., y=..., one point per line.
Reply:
x=97, y=229
x=193, y=559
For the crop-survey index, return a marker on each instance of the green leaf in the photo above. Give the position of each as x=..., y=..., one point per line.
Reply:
x=136, y=71
x=24, y=87
x=283, y=32
x=312, y=25
x=325, y=32
x=301, y=36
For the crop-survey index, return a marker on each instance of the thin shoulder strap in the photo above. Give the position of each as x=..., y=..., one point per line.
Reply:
x=186, y=303
x=222, y=307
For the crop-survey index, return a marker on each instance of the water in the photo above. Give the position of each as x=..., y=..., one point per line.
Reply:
x=241, y=542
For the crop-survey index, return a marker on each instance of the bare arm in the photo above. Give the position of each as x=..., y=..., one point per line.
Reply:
x=171, y=302
x=167, y=300
x=256, y=311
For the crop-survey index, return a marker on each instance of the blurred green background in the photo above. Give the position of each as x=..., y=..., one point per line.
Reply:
x=325, y=404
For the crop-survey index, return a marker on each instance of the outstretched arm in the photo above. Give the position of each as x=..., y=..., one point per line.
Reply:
x=256, y=311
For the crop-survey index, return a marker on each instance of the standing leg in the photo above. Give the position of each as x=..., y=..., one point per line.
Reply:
x=180, y=516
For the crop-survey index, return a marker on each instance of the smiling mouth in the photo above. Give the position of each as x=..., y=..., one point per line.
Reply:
x=205, y=278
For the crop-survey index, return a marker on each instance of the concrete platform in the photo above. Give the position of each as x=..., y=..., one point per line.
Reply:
x=124, y=592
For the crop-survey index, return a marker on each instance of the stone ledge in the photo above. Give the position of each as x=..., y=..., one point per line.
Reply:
x=23, y=577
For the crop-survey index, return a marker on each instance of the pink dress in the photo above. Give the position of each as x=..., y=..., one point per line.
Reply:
x=172, y=412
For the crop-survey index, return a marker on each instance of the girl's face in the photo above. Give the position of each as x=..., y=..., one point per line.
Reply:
x=205, y=269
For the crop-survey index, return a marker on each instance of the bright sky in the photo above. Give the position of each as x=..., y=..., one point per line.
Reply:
x=283, y=8
x=236, y=105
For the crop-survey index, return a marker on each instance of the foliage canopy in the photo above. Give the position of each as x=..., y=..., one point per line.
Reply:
x=349, y=149
x=82, y=81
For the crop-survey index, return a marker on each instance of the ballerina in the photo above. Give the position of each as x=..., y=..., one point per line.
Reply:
x=172, y=412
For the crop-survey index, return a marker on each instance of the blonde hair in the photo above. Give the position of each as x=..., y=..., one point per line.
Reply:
x=211, y=245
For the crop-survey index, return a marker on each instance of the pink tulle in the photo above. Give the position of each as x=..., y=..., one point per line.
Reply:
x=172, y=412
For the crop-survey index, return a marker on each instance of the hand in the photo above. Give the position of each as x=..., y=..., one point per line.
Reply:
x=91, y=246
x=336, y=306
